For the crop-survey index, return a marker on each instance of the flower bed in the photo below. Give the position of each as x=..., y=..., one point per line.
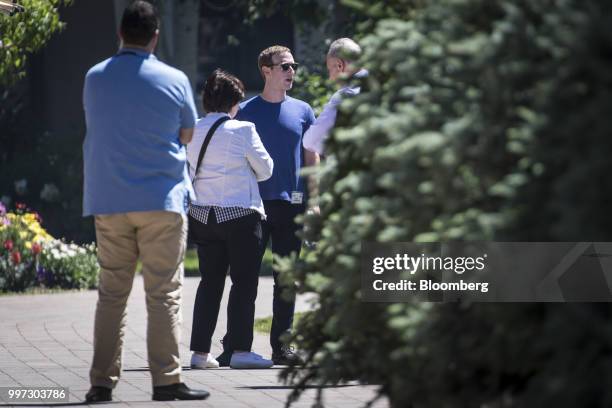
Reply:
x=30, y=257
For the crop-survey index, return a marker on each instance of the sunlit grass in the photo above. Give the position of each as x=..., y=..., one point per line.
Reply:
x=191, y=263
x=264, y=324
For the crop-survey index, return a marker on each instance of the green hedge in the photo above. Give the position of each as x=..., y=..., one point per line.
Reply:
x=482, y=120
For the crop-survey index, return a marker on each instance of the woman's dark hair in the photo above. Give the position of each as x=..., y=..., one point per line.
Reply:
x=221, y=92
x=139, y=22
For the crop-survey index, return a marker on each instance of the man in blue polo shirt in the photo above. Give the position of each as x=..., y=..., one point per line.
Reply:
x=281, y=122
x=139, y=112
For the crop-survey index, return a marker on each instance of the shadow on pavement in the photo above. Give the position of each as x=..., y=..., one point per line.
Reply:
x=188, y=368
x=50, y=404
x=289, y=387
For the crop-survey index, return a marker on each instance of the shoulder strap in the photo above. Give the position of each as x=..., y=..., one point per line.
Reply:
x=212, y=130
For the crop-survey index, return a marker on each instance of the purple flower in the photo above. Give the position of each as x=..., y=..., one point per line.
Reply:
x=40, y=274
x=45, y=276
x=2, y=208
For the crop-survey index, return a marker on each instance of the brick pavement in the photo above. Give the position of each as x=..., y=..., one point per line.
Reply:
x=46, y=340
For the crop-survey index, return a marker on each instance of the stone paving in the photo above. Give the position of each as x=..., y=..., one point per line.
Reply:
x=46, y=340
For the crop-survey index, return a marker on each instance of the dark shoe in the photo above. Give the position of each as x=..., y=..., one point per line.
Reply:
x=99, y=394
x=178, y=391
x=286, y=356
x=225, y=358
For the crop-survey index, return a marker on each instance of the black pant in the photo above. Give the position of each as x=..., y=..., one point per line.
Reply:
x=281, y=227
x=236, y=244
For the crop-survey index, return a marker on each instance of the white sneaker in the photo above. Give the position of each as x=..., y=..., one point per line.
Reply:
x=201, y=362
x=248, y=359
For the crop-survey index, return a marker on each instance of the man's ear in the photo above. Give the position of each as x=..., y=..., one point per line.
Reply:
x=154, y=40
x=265, y=71
x=341, y=65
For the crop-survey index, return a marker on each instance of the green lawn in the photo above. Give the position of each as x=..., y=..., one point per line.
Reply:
x=264, y=324
x=191, y=263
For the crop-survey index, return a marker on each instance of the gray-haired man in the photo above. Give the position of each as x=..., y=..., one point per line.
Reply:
x=342, y=66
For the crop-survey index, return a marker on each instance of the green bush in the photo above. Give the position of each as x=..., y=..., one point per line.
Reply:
x=483, y=120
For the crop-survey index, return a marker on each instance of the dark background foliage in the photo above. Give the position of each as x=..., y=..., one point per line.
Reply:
x=28, y=152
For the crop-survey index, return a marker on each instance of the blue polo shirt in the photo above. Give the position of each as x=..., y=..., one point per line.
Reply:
x=133, y=159
x=281, y=127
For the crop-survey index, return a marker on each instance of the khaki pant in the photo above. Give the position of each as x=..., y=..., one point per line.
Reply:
x=158, y=238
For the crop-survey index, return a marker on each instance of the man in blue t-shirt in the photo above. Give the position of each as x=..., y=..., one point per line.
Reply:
x=281, y=122
x=139, y=112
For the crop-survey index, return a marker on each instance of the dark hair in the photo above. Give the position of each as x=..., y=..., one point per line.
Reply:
x=266, y=57
x=221, y=92
x=139, y=22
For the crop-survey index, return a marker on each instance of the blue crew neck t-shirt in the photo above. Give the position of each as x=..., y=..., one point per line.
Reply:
x=281, y=127
x=133, y=159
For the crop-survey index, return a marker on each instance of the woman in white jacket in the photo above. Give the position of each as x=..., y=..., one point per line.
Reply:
x=225, y=222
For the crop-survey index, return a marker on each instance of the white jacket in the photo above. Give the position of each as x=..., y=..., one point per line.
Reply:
x=233, y=164
x=316, y=135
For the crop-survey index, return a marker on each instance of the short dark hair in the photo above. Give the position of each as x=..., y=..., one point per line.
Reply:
x=139, y=23
x=222, y=91
x=266, y=57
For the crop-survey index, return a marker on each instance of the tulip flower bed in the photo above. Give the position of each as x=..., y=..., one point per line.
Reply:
x=30, y=257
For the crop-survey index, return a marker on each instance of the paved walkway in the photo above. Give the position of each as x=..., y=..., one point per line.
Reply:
x=46, y=340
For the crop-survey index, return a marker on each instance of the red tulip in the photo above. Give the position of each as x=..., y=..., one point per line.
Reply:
x=16, y=256
x=20, y=206
x=8, y=245
x=36, y=248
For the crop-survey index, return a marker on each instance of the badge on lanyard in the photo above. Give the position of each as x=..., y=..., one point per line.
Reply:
x=297, y=197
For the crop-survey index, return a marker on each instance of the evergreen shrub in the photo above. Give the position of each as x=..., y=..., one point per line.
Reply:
x=482, y=120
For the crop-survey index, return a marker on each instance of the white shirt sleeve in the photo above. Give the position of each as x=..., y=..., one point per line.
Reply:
x=317, y=133
x=257, y=155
